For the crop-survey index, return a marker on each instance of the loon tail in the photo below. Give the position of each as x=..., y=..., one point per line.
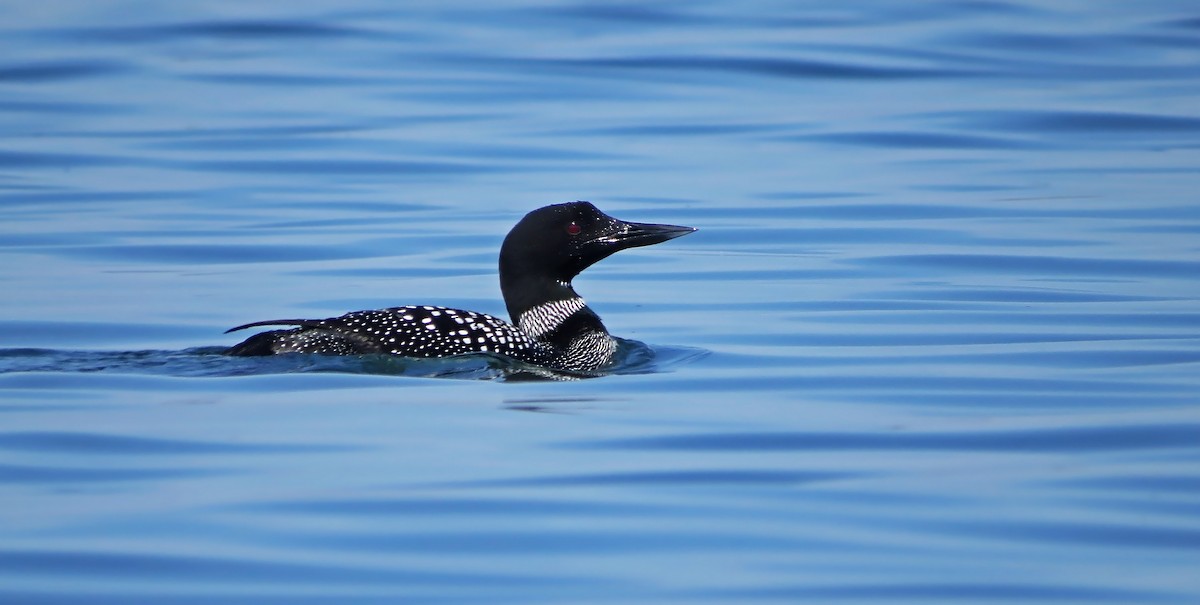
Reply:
x=304, y=323
x=314, y=336
x=264, y=343
x=259, y=344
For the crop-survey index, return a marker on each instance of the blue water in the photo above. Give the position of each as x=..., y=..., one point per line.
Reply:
x=936, y=340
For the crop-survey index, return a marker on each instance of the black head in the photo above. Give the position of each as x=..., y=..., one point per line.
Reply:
x=561, y=240
x=553, y=244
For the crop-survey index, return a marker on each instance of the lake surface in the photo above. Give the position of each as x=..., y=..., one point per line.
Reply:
x=936, y=340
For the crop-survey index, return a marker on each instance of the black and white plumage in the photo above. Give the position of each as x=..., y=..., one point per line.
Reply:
x=413, y=331
x=553, y=328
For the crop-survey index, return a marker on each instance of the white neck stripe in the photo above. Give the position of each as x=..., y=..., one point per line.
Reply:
x=543, y=318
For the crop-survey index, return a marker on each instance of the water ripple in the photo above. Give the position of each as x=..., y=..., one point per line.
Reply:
x=1161, y=484
x=62, y=161
x=54, y=71
x=632, y=357
x=362, y=167
x=948, y=591
x=54, y=106
x=745, y=477
x=1109, y=535
x=746, y=66
x=1075, y=122
x=37, y=475
x=921, y=140
x=231, y=570
x=1043, y=265
x=219, y=30
x=204, y=254
x=571, y=541
x=92, y=444
x=402, y=508
x=1072, y=439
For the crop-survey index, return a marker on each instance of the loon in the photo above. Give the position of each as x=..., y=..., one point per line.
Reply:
x=552, y=326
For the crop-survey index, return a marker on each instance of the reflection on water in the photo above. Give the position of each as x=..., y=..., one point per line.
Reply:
x=632, y=357
x=936, y=340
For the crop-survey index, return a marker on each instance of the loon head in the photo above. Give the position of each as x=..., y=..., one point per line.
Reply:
x=553, y=244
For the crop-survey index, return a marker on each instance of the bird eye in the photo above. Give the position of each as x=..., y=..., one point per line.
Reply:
x=573, y=228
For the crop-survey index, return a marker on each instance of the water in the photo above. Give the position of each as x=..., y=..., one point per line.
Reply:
x=936, y=340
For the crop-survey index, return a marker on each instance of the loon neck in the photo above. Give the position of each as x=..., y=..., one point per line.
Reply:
x=549, y=310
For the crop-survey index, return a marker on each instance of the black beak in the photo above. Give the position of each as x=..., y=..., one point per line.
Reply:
x=633, y=235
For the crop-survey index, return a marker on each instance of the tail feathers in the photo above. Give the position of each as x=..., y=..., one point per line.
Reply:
x=259, y=344
x=312, y=336
x=306, y=323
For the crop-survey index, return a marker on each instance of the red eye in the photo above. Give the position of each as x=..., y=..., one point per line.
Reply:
x=573, y=229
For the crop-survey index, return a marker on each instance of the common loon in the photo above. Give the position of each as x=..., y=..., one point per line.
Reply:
x=554, y=327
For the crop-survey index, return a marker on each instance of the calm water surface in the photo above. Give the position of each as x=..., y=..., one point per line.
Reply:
x=937, y=339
